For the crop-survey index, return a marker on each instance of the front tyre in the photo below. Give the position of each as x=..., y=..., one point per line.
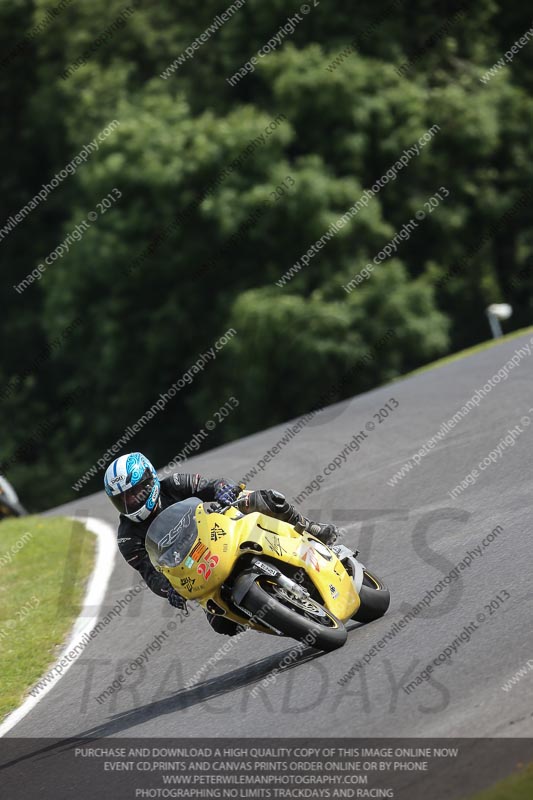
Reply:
x=302, y=619
x=375, y=599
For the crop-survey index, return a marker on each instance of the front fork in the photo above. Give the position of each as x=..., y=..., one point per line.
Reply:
x=260, y=567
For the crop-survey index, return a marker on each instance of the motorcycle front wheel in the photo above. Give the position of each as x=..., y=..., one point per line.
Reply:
x=302, y=619
x=375, y=599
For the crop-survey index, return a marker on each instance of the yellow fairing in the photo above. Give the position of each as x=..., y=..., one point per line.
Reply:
x=222, y=538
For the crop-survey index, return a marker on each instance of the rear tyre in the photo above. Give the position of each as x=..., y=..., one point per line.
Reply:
x=304, y=620
x=375, y=599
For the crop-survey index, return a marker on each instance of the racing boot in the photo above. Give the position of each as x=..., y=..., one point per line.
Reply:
x=326, y=532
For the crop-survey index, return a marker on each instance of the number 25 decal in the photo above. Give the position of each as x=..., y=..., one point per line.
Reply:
x=207, y=565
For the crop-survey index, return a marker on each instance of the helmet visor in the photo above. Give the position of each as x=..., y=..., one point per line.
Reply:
x=133, y=499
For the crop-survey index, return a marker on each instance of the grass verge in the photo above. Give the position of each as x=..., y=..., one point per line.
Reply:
x=519, y=787
x=44, y=567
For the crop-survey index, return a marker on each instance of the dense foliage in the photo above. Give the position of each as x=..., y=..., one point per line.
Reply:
x=223, y=188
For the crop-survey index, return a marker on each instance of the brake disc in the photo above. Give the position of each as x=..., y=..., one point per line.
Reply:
x=309, y=605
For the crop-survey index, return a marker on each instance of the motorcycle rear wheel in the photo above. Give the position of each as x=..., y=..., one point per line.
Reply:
x=306, y=621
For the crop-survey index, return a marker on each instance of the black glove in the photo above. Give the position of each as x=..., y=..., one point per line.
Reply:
x=177, y=601
x=226, y=492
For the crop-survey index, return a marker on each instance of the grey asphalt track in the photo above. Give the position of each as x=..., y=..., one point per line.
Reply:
x=411, y=534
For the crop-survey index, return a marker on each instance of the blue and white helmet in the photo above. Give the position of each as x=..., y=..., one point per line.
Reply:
x=132, y=485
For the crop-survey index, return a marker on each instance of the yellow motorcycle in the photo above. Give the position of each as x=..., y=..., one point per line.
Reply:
x=261, y=573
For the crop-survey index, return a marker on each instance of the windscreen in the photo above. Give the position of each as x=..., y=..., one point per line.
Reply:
x=173, y=533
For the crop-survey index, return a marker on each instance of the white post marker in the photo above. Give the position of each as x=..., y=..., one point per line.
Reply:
x=105, y=560
x=495, y=313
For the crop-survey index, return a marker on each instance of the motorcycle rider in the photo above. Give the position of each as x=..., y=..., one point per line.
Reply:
x=132, y=485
